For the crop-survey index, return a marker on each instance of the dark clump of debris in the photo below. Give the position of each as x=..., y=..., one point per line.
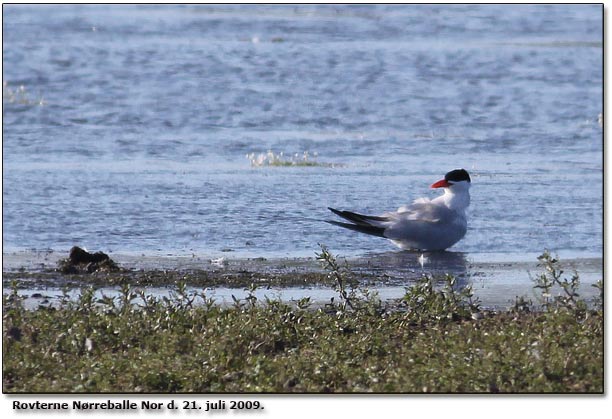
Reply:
x=81, y=261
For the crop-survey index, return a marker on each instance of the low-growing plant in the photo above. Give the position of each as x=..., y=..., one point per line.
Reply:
x=340, y=276
x=345, y=283
x=425, y=303
x=431, y=341
x=598, y=300
x=557, y=291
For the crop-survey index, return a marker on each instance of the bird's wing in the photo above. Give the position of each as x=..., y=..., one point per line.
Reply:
x=423, y=210
x=418, y=221
x=422, y=221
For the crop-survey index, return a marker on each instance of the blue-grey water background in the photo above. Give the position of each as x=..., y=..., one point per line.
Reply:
x=131, y=131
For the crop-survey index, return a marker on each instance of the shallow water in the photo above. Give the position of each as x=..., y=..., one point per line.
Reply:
x=148, y=113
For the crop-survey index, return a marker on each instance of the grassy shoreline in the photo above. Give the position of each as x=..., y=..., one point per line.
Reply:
x=435, y=339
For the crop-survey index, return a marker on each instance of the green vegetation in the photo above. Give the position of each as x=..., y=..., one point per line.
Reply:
x=437, y=338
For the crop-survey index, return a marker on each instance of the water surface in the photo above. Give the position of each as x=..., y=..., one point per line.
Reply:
x=131, y=132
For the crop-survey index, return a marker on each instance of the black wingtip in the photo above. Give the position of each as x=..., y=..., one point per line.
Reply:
x=360, y=219
x=335, y=211
x=374, y=231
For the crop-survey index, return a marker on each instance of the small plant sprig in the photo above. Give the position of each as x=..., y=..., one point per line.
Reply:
x=251, y=298
x=339, y=275
x=182, y=296
x=598, y=300
x=13, y=312
x=360, y=301
x=552, y=278
x=521, y=305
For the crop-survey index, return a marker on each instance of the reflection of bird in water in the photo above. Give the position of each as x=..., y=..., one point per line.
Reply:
x=409, y=266
x=423, y=260
x=439, y=262
x=425, y=224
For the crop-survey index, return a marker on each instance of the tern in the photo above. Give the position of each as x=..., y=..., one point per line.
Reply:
x=425, y=225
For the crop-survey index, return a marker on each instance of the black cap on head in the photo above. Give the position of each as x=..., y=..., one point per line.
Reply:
x=457, y=175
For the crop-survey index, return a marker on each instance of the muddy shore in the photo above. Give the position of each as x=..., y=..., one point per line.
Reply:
x=496, y=284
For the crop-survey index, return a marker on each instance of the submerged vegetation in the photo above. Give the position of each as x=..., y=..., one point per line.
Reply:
x=437, y=338
x=19, y=95
x=271, y=158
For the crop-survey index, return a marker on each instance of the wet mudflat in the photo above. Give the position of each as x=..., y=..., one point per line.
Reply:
x=39, y=276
